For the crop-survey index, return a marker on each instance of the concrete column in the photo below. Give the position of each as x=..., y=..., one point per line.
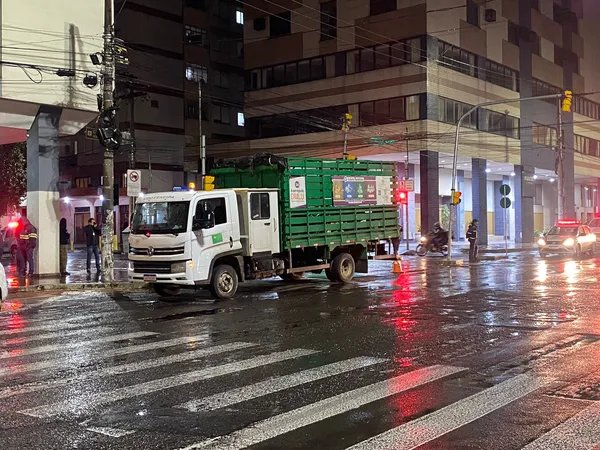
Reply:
x=498, y=210
x=430, y=190
x=479, y=188
x=43, y=206
x=524, y=195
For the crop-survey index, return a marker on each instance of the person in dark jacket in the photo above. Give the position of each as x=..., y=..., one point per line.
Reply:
x=92, y=239
x=472, y=238
x=65, y=240
x=26, y=244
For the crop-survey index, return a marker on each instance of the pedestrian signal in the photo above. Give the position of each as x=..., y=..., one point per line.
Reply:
x=567, y=101
x=456, y=195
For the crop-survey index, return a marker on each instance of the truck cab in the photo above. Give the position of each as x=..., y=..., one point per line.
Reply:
x=182, y=239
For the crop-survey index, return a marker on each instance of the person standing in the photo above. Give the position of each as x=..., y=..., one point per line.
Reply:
x=65, y=240
x=472, y=238
x=92, y=239
x=26, y=244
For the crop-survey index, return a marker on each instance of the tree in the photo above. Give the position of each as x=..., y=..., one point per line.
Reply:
x=13, y=182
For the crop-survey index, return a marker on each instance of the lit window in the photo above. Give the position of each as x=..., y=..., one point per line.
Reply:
x=240, y=116
x=194, y=72
x=239, y=17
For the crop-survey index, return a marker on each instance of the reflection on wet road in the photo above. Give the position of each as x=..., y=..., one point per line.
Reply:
x=497, y=355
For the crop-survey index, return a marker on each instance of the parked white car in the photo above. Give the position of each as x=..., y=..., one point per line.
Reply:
x=3, y=284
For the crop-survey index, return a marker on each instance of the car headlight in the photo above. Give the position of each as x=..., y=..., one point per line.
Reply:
x=178, y=267
x=423, y=239
x=569, y=242
x=541, y=242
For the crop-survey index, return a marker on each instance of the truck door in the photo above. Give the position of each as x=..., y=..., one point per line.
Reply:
x=214, y=236
x=264, y=222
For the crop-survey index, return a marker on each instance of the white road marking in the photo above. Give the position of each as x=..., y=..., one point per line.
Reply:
x=18, y=340
x=112, y=432
x=580, y=432
x=102, y=354
x=56, y=321
x=124, y=368
x=431, y=426
x=324, y=409
x=88, y=401
x=276, y=384
x=54, y=326
x=13, y=353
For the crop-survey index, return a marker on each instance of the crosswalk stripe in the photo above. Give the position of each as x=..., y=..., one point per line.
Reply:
x=58, y=334
x=50, y=348
x=54, y=320
x=276, y=384
x=431, y=426
x=124, y=368
x=160, y=384
x=54, y=326
x=580, y=432
x=102, y=354
x=329, y=407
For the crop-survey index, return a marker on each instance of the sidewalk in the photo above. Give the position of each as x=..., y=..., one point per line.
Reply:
x=492, y=247
x=78, y=278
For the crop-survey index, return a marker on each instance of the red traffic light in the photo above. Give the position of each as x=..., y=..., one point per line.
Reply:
x=402, y=197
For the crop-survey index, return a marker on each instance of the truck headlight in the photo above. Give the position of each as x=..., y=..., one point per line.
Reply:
x=178, y=267
x=569, y=242
x=130, y=264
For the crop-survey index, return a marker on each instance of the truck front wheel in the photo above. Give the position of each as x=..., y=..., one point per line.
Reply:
x=342, y=268
x=166, y=291
x=224, y=283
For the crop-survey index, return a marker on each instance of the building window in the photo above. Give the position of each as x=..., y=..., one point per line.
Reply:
x=83, y=182
x=196, y=4
x=221, y=114
x=543, y=135
x=381, y=6
x=280, y=24
x=501, y=76
x=194, y=72
x=502, y=124
x=191, y=110
x=328, y=20
x=449, y=111
x=389, y=110
x=239, y=16
x=457, y=59
x=220, y=79
x=240, y=119
x=197, y=36
x=472, y=13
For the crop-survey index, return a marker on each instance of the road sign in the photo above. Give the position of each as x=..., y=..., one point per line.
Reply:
x=90, y=133
x=134, y=183
x=505, y=190
x=406, y=185
x=505, y=202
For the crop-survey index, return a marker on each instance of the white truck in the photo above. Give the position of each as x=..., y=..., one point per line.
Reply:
x=218, y=238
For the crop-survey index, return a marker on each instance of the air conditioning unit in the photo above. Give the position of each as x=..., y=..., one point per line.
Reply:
x=490, y=15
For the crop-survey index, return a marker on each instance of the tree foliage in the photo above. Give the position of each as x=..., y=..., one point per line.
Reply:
x=13, y=176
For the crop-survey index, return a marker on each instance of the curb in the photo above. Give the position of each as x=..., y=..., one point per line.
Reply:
x=80, y=287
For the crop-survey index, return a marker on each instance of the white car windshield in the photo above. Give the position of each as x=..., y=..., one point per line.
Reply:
x=160, y=217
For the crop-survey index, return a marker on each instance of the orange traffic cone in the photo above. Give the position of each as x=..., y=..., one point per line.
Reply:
x=397, y=266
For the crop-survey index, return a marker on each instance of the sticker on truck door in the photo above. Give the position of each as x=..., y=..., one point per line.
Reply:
x=217, y=238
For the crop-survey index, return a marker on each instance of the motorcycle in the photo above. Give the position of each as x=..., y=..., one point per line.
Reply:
x=427, y=246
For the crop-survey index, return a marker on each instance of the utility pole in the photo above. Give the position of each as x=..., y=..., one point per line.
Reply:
x=406, y=178
x=108, y=79
x=202, y=141
x=132, y=150
x=564, y=106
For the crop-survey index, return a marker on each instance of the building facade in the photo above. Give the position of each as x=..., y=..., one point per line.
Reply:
x=178, y=54
x=407, y=70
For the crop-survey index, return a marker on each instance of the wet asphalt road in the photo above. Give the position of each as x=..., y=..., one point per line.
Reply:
x=498, y=355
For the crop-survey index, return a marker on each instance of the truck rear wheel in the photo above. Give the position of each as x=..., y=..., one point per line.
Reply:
x=224, y=283
x=166, y=291
x=342, y=268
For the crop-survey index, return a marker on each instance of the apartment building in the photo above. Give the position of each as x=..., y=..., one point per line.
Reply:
x=407, y=70
x=179, y=54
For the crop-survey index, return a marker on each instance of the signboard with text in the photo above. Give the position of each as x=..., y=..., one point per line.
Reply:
x=298, y=192
x=134, y=183
x=354, y=190
x=406, y=185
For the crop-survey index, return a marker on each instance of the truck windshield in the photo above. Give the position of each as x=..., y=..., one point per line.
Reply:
x=160, y=217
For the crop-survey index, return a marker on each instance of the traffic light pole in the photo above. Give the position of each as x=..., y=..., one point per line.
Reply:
x=108, y=80
x=560, y=170
x=456, y=139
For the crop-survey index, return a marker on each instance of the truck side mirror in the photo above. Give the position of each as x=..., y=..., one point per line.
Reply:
x=204, y=222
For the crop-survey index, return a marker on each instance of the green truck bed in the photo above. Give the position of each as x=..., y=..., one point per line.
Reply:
x=322, y=201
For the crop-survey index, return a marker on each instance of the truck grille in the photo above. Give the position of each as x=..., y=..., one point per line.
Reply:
x=157, y=251
x=152, y=266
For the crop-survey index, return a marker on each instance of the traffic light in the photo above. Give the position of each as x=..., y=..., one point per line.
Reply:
x=209, y=182
x=192, y=186
x=456, y=195
x=402, y=197
x=347, y=121
x=567, y=101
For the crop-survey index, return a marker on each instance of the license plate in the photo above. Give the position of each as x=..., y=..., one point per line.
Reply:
x=149, y=277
